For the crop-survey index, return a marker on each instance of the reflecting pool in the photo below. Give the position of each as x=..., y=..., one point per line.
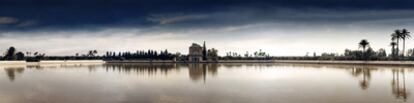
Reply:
x=205, y=83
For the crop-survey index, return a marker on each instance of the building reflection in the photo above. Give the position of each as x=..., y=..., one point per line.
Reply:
x=199, y=71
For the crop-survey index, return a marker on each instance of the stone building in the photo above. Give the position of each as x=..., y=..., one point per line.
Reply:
x=196, y=53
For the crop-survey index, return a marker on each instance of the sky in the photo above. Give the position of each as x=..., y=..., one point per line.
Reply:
x=278, y=27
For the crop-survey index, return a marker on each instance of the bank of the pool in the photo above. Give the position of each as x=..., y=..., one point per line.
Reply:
x=52, y=62
x=397, y=63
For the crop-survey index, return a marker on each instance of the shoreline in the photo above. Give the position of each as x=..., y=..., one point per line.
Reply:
x=52, y=62
x=389, y=63
x=392, y=63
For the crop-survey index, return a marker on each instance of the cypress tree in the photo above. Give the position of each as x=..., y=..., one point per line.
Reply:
x=204, y=51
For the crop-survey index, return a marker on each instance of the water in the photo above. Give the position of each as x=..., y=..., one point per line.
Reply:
x=206, y=83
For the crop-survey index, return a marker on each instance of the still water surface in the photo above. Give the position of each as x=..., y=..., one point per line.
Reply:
x=206, y=83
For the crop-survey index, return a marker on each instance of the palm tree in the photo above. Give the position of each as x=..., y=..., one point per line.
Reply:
x=396, y=36
x=404, y=35
x=363, y=44
x=92, y=53
x=95, y=52
x=393, y=44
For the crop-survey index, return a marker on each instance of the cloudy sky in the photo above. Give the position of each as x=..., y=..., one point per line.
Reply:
x=280, y=27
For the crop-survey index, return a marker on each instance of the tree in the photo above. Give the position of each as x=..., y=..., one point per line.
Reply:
x=255, y=54
x=396, y=36
x=363, y=44
x=381, y=53
x=369, y=53
x=20, y=56
x=247, y=54
x=404, y=35
x=27, y=53
x=95, y=52
x=212, y=54
x=410, y=52
x=38, y=56
x=393, y=50
x=204, y=51
x=92, y=53
x=353, y=54
x=177, y=54
x=10, y=54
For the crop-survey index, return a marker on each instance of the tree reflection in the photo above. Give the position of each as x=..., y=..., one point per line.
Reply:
x=92, y=68
x=11, y=72
x=149, y=68
x=398, y=84
x=38, y=67
x=364, y=73
x=212, y=69
x=198, y=72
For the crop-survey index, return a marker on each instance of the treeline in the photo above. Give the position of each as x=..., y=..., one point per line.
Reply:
x=139, y=55
x=257, y=55
x=12, y=54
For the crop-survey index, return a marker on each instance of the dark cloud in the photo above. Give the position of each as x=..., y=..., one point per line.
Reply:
x=7, y=20
x=81, y=14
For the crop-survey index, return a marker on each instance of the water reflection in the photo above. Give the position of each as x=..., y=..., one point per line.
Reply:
x=12, y=71
x=398, y=84
x=148, y=68
x=196, y=71
x=362, y=77
x=364, y=73
x=199, y=71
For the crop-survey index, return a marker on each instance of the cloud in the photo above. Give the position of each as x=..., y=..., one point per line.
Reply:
x=280, y=26
x=242, y=16
x=26, y=24
x=81, y=14
x=7, y=20
x=277, y=39
x=176, y=19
